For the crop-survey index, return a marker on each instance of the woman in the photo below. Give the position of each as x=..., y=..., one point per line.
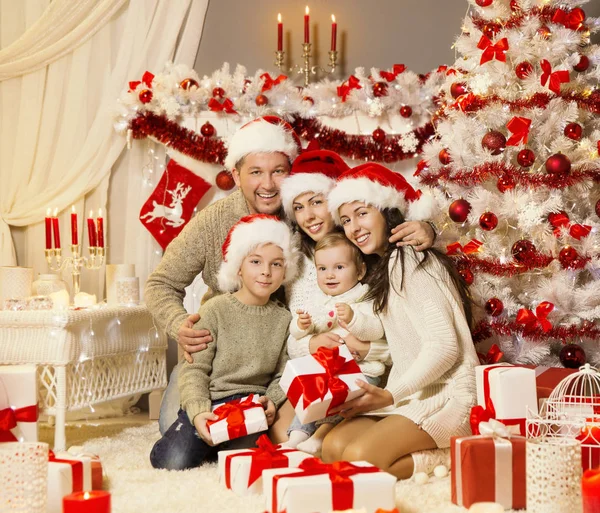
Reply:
x=425, y=310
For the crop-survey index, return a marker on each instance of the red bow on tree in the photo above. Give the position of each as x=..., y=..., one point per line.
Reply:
x=441, y=68
x=344, y=90
x=519, y=127
x=270, y=82
x=491, y=51
x=467, y=249
x=556, y=77
x=572, y=20
x=9, y=418
x=493, y=356
x=226, y=106
x=530, y=321
x=147, y=78
x=464, y=102
x=451, y=71
x=390, y=76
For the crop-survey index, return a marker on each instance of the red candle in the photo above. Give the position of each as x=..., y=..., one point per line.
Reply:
x=279, y=33
x=94, y=501
x=74, y=238
x=48, y=223
x=306, y=24
x=333, y=33
x=100, y=223
x=56, y=230
x=91, y=230
x=590, y=491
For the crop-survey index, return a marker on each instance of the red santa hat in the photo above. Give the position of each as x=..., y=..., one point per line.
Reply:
x=380, y=187
x=248, y=233
x=313, y=171
x=268, y=134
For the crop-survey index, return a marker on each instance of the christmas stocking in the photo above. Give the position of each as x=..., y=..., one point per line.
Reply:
x=172, y=203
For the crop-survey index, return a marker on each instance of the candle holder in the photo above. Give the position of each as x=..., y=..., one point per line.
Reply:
x=306, y=69
x=76, y=262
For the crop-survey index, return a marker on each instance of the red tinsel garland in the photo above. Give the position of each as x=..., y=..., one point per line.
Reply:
x=510, y=269
x=489, y=170
x=545, y=14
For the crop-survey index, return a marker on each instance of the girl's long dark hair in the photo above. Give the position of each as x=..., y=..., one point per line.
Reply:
x=378, y=273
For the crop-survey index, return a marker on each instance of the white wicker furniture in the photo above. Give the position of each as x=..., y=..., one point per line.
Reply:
x=85, y=356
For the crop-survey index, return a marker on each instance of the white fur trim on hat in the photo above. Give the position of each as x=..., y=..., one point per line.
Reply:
x=260, y=136
x=295, y=185
x=247, y=236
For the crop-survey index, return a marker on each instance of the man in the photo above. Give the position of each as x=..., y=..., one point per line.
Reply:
x=260, y=155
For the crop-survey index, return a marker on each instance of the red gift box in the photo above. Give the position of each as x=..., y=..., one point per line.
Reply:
x=548, y=378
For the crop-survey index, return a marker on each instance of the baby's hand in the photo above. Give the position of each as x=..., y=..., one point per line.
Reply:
x=344, y=312
x=304, y=320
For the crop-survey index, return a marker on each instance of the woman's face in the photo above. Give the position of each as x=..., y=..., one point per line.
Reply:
x=365, y=226
x=312, y=216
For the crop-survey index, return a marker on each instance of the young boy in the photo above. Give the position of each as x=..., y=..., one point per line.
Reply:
x=248, y=352
x=339, y=309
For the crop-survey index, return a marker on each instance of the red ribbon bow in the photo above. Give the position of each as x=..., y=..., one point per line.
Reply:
x=233, y=411
x=441, y=68
x=519, y=127
x=344, y=90
x=556, y=77
x=531, y=321
x=314, y=387
x=572, y=20
x=493, y=356
x=9, y=418
x=147, y=78
x=342, y=487
x=226, y=106
x=76, y=470
x=270, y=82
x=491, y=51
x=390, y=76
x=469, y=248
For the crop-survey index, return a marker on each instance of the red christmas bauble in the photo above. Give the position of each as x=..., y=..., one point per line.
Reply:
x=505, y=183
x=514, y=6
x=568, y=257
x=218, y=92
x=458, y=89
x=261, y=100
x=207, y=130
x=444, y=157
x=523, y=250
x=308, y=99
x=544, y=32
x=406, y=111
x=572, y=356
x=558, y=164
x=145, y=96
x=467, y=275
x=378, y=135
x=459, y=210
x=494, y=141
x=488, y=221
x=380, y=89
x=483, y=3
x=188, y=83
x=598, y=208
x=526, y=157
x=225, y=181
x=556, y=219
x=523, y=69
x=583, y=64
x=490, y=29
x=573, y=131
x=494, y=307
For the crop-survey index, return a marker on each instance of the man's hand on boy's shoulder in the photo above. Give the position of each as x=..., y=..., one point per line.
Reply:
x=269, y=408
x=201, y=427
x=192, y=340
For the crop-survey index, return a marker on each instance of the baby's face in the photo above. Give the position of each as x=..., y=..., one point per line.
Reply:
x=336, y=270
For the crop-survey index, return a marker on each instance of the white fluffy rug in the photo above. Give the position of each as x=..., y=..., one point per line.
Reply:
x=136, y=487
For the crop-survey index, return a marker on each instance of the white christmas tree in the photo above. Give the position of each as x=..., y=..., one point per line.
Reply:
x=516, y=168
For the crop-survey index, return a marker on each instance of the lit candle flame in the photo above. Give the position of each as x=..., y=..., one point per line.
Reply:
x=86, y=496
x=55, y=212
x=333, y=18
x=73, y=208
x=279, y=18
x=99, y=212
x=48, y=212
x=306, y=12
x=91, y=214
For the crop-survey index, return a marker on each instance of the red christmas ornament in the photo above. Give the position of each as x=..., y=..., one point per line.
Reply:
x=207, y=130
x=145, y=96
x=573, y=131
x=261, y=100
x=309, y=100
x=598, y=208
x=406, y=111
x=523, y=69
x=494, y=307
x=569, y=258
x=459, y=210
x=523, y=250
x=558, y=219
x=544, y=32
x=218, y=92
x=494, y=141
x=380, y=89
x=467, y=275
x=378, y=135
x=583, y=64
x=458, y=89
x=188, y=83
x=225, y=181
x=514, y=6
x=488, y=221
x=572, y=356
x=483, y=3
x=558, y=164
x=526, y=158
x=505, y=183
x=444, y=157
x=490, y=29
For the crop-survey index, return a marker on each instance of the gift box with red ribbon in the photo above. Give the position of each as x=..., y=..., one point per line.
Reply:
x=488, y=469
x=318, y=486
x=241, y=470
x=237, y=418
x=317, y=383
x=18, y=403
x=548, y=378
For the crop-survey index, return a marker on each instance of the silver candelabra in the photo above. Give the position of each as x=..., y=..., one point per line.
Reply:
x=76, y=262
x=306, y=69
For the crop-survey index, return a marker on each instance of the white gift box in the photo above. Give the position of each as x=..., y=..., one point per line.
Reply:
x=311, y=493
x=307, y=365
x=240, y=462
x=66, y=477
x=18, y=389
x=255, y=422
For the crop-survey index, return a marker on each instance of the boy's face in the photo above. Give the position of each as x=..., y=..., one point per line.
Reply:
x=336, y=270
x=262, y=273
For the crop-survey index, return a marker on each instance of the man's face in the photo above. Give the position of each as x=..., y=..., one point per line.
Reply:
x=260, y=178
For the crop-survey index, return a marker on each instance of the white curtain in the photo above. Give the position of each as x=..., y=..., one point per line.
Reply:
x=57, y=143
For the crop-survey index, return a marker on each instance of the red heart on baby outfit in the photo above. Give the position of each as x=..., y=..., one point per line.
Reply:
x=331, y=314
x=329, y=324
